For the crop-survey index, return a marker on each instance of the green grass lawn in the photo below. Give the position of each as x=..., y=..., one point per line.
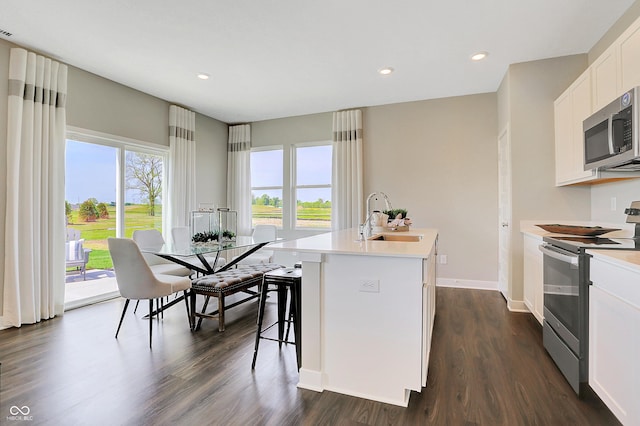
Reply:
x=96, y=233
x=303, y=212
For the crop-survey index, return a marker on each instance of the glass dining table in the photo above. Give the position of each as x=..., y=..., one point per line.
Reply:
x=184, y=254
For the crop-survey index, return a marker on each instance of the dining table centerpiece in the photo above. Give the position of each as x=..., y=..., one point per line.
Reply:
x=206, y=238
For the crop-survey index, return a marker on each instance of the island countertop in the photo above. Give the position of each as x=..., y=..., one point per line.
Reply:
x=346, y=242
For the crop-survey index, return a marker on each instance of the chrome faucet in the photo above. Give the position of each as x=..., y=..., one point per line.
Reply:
x=367, y=222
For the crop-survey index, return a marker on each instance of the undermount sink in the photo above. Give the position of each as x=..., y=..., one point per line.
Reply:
x=396, y=237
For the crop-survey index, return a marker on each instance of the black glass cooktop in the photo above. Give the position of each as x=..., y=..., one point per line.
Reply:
x=597, y=242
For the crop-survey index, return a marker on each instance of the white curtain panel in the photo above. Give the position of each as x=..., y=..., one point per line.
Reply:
x=239, y=175
x=347, y=173
x=33, y=279
x=181, y=168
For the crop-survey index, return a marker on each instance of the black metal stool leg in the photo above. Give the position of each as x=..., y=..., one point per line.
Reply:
x=290, y=317
x=263, y=301
x=296, y=310
x=282, y=308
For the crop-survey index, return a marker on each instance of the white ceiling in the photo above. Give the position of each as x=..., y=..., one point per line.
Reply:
x=278, y=58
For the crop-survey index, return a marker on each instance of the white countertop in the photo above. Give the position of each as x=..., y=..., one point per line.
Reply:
x=626, y=258
x=346, y=242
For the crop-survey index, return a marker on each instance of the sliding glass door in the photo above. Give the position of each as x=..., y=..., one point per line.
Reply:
x=112, y=188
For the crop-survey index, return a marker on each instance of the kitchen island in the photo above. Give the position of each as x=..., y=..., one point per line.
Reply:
x=367, y=311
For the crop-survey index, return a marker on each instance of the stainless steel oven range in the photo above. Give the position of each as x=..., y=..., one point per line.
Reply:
x=565, y=330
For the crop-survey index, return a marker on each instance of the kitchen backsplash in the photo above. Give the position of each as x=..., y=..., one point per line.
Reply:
x=623, y=193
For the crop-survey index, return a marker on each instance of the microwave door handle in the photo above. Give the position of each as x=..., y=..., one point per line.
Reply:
x=571, y=259
x=610, y=134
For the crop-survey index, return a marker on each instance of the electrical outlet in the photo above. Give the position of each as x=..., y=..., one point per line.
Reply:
x=370, y=286
x=442, y=259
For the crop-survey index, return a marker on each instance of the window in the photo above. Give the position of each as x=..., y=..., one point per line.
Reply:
x=266, y=186
x=291, y=186
x=112, y=188
x=313, y=186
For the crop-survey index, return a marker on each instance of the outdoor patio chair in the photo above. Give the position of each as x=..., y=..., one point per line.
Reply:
x=76, y=255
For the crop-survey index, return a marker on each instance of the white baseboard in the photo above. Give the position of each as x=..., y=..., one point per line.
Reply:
x=517, y=306
x=473, y=284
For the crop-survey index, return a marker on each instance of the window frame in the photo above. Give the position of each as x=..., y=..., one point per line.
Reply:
x=123, y=144
x=268, y=188
x=294, y=184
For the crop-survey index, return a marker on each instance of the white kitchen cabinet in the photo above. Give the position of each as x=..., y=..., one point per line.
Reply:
x=605, y=74
x=629, y=46
x=428, y=311
x=570, y=109
x=533, y=276
x=614, y=338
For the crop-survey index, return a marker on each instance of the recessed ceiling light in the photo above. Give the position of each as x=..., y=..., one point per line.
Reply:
x=385, y=71
x=203, y=76
x=479, y=56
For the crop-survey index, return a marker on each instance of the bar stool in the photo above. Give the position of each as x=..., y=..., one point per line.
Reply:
x=282, y=279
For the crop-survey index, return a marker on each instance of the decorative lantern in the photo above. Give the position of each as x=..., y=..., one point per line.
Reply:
x=228, y=222
x=204, y=222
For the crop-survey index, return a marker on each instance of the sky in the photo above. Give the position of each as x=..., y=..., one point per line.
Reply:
x=90, y=172
x=313, y=168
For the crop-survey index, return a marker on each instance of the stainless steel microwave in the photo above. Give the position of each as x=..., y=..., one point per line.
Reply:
x=611, y=135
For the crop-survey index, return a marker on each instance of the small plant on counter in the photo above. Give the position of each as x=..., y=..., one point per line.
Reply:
x=393, y=214
x=205, y=237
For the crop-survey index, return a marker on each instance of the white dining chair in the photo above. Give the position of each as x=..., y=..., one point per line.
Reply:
x=261, y=234
x=136, y=281
x=152, y=239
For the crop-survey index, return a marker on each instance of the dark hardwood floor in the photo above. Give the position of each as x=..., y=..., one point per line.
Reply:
x=488, y=367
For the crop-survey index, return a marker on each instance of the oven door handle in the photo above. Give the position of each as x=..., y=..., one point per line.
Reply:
x=567, y=258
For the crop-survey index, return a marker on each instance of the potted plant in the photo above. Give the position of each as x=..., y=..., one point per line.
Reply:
x=207, y=237
x=398, y=219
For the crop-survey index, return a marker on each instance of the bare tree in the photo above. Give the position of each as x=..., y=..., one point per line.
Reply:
x=144, y=174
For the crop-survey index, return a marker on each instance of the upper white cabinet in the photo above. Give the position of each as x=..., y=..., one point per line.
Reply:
x=614, y=72
x=629, y=47
x=570, y=109
x=606, y=84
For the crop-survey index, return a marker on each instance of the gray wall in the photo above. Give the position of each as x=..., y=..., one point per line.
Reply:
x=526, y=99
x=444, y=173
x=98, y=104
x=211, y=161
x=438, y=159
x=101, y=105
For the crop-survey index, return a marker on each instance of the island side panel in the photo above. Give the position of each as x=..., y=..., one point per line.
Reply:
x=372, y=340
x=311, y=369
